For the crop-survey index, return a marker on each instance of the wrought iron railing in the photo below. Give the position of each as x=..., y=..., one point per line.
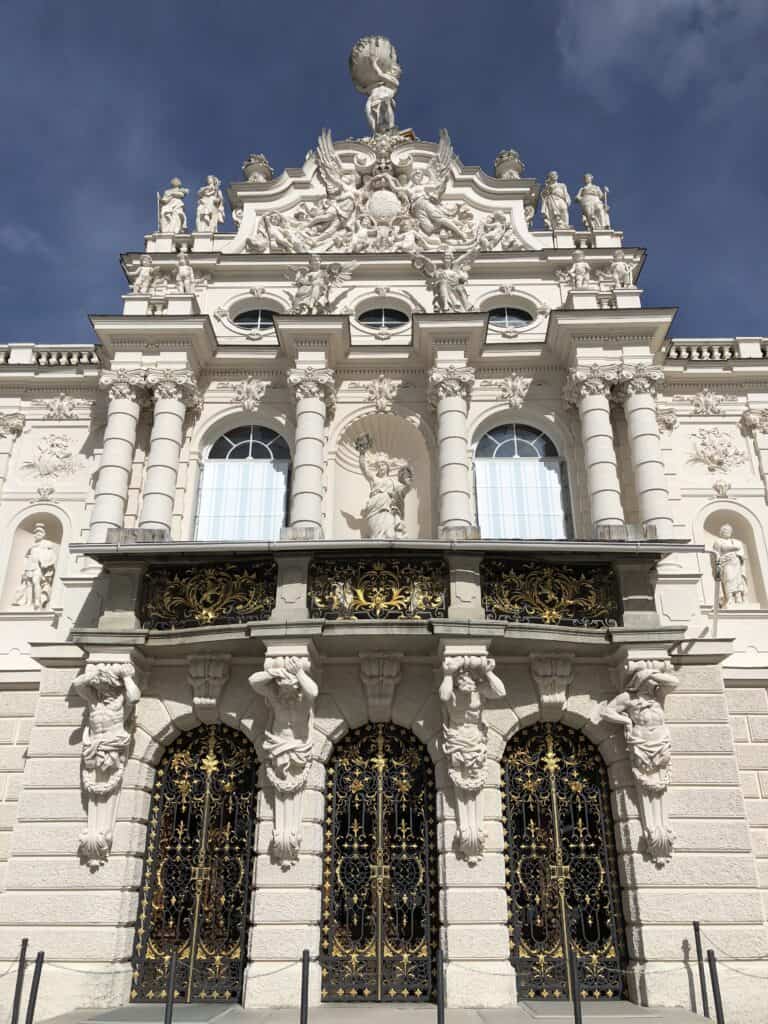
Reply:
x=180, y=597
x=515, y=590
x=378, y=588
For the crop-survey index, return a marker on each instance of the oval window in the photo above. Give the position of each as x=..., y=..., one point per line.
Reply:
x=383, y=319
x=255, y=319
x=509, y=317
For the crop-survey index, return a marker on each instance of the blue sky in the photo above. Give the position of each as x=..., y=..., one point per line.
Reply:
x=102, y=102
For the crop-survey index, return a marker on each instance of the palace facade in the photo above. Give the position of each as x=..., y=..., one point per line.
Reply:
x=384, y=578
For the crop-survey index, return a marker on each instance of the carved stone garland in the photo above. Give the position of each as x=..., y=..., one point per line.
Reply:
x=111, y=694
x=468, y=681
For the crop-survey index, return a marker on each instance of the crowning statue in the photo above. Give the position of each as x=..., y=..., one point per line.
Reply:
x=376, y=73
x=593, y=201
x=314, y=283
x=468, y=680
x=210, y=206
x=37, y=575
x=290, y=694
x=649, y=743
x=389, y=480
x=171, y=215
x=447, y=280
x=111, y=695
x=555, y=201
x=730, y=566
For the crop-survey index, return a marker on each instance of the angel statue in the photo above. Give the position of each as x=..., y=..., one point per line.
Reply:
x=210, y=206
x=340, y=208
x=555, y=201
x=171, y=216
x=389, y=480
x=426, y=187
x=314, y=283
x=447, y=280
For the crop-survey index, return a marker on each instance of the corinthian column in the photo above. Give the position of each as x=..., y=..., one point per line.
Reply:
x=637, y=389
x=449, y=391
x=315, y=396
x=588, y=388
x=125, y=392
x=173, y=392
x=11, y=425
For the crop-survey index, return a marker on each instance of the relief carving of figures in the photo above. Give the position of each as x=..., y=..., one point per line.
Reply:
x=382, y=393
x=290, y=694
x=389, y=480
x=717, y=451
x=730, y=567
x=380, y=675
x=250, y=392
x=210, y=206
x=376, y=73
x=555, y=201
x=313, y=285
x=11, y=424
x=111, y=695
x=639, y=710
x=171, y=215
x=37, y=575
x=468, y=681
x=593, y=201
x=54, y=457
x=447, y=280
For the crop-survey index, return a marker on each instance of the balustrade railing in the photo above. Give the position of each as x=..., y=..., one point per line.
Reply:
x=182, y=597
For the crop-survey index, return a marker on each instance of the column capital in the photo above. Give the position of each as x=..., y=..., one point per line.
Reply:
x=175, y=384
x=638, y=380
x=12, y=424
x=754, y=421
x=583, y=381
x=123, y=383
x=450, y=382
x=313, y=382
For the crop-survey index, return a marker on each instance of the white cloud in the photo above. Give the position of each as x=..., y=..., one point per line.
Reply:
x=713, y=47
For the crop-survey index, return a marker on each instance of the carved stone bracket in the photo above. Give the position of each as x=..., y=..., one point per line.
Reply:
x=638, y=708
x=208, y=676
x=468, y=681
x=111, y=693
x=450, y=382
x=380, y=675
x=552, y=677
x=290, y=693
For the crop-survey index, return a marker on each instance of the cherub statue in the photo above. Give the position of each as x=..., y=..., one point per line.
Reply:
x=620, y=273
x=37, y=575
x=389, y=481
x=185, y=275
x=555, y=201
x=172, y=217
x=593, y=201
x=314, y=283
x=730, y=567
x=210, y=206
x=579, y=274
x=142, y=282
x=447, y=280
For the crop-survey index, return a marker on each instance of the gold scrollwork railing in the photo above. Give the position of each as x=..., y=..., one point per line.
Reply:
x=182, y=597
x=378, y=588
x=585, y=596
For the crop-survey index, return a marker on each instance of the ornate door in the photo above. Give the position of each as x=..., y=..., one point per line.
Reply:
x=380, y=872
x=562, y=880
x=194, y=894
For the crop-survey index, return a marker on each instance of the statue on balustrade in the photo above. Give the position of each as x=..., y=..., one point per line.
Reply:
x=38, y=572
x=389, y=480
x=730, y=563
x=210, y=206
x=593, y=201
x=172, y=218
x=555, y=201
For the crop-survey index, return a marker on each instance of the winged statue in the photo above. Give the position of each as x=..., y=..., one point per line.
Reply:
x=447, y=280
x=338, y=211
x=426, y=187
x=314, y=283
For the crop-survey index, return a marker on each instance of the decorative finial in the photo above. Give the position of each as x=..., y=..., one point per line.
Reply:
x=508, y=165
x=376, y=73
x=256, y=168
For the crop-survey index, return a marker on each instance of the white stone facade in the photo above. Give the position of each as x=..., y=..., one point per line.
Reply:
x=664, y=443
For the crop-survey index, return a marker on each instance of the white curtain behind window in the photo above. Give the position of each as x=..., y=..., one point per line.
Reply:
x=242, y=499
x=520, y=498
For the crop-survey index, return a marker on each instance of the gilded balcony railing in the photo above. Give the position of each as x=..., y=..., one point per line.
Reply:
x=378, y=588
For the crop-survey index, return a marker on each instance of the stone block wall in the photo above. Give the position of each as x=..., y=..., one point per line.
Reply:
x=17, y=709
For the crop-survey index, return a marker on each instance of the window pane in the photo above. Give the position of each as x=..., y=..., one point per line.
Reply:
x=255, y=319
x=242, y=500
x=509, y=317
x=520, y=499
x=388, y=319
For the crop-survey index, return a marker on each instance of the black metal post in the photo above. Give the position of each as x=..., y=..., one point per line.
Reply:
x=575, y=987
x=170, y=985
x=304, y=1011
x=702, y=971
x=19, y=982
x=34, y=987
x=440, y=988
x=717, y=998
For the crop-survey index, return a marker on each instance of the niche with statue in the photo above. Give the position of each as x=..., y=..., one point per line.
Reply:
x=735, y=560
x=32, y=564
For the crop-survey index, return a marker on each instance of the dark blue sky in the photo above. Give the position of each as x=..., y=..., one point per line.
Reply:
x=102, y=102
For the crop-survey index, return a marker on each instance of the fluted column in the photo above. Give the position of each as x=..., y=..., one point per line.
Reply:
x=449, y=391
x=588, y=389
x=173, y=392
x=315, y=395
x=125, y=395
x=637, y=390
x=11, y=426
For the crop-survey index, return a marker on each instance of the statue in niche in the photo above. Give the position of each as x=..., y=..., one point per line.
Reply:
x=555, y=201
x=620, y=271
x=111, y=694
x=38, y=572
x=389, y=480
x=593, y=201
x=649, y=743
x=210, y=206
x=290, y=694
x=579, y=274
x=185, y=275
x=730, y=562
x=172, y=217
x=447, y=280
x=142, y=283
x=376, y=73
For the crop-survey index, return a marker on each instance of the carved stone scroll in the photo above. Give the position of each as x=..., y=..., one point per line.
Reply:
x=468, y=681
x=552, y=677
x=111, y=694
x=290, y=693
x=638, y=708
x=208, y=676
x=380, y=675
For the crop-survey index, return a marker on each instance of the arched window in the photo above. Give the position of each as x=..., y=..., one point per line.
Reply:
x=521, y=485
x=384, y=319
x=244, y=486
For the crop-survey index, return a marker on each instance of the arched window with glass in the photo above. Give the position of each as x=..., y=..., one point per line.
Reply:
x=521, y=485
x=244, y=486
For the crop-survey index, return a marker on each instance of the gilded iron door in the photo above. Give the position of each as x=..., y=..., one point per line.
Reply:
x=380, y=884
x=194, y=894
x=562, y=881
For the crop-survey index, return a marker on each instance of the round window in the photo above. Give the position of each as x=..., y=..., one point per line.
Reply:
x=509, y=317
x=255, y=319
x=383, y=319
